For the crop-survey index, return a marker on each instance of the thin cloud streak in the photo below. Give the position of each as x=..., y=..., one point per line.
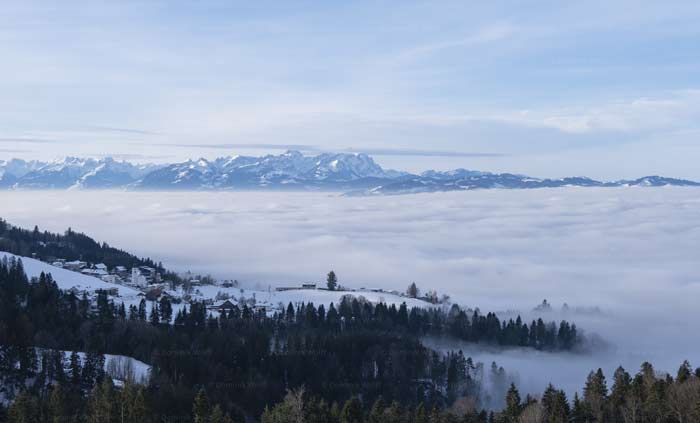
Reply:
x=22, y=140
x=123, y=130
x=319, y=149
x=228, y=146
x=419, y=153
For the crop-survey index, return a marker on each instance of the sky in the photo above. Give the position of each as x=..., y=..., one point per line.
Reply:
x=633, y=252
x=547, y=88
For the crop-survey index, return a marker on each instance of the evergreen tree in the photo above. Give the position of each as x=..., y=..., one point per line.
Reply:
x=684, y=372
x=200, y=409
x=335, y=412
x=155, y=314
x=217, y=415
x=412, y=290
x=58, y=409
x=513, y=404
x=394, y=414
x=421, y=416
x=595, y=395
x=619, y=393
x=24, y=409
x=578, y=411
x=331, y=281
x=376, y=413
x=166, y=310
x=142, y=310
x=555, y=405
x=75, y=369
x=102, y=407
x=352, y=411
x=138, y=411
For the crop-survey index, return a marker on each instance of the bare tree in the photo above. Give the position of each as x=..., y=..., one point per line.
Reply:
x=632, y=409
x=682, y=397
x=463, y=406
x=294, y=401
x=533, y=413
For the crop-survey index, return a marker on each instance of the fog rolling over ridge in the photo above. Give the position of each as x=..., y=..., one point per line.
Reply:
x=631, y=251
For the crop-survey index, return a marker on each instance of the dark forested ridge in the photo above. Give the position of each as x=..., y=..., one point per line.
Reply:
x=70, y=245
x=244, y=360
x=646, y=397
x=302, y=366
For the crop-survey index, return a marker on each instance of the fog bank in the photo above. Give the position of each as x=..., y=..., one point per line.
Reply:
x=633, y=252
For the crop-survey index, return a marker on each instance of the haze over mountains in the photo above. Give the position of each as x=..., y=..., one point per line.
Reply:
x=357, y=174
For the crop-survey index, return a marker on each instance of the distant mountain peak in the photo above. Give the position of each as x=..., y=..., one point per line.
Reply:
x=355, y=172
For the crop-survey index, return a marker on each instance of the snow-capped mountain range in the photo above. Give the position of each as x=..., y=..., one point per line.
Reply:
x=358, y=174
x=71, y=172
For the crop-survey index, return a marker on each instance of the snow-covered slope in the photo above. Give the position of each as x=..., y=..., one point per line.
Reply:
x=18, y=167
x=71, y=172
x=66, y=279
x=119, y=367
x=110, y=173
x=291, y=169
x=317, y=296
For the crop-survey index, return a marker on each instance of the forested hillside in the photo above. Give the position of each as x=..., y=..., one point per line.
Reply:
x=70, y=245
x=245, y=360
x=302, y=366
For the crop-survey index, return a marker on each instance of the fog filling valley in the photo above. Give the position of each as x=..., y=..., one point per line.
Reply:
x=633, y=252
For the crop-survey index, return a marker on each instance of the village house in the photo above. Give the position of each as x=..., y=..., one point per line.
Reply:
x=75, y=266
x=221, y=306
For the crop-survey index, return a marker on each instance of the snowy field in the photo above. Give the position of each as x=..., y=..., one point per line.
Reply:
x=631, y=251
x=66, y=279
x=316, y=296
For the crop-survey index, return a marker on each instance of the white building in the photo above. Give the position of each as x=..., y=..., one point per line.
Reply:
x=110, y=278
x=137, y=279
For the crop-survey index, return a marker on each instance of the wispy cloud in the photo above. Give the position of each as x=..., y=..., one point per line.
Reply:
x=420, y=153
x=23, y=140
x=487, y=35
x=419, y=77
x=262, y=146
x=14, y=151
x=122, y=130
x=138, y=157
x=315, y=149
x=674, y=111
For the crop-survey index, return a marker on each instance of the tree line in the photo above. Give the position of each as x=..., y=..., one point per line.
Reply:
x=70, y=245
x=244, y=359
x=646, y=397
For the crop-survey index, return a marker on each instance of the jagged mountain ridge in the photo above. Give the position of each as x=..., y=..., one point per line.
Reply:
x=71, y=172
x=422, y=184
x=358, y=174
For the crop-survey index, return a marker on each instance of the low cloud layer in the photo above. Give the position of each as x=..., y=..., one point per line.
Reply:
x=633, y=252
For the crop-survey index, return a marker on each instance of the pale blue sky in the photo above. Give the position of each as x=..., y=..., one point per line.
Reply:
x=608, y=89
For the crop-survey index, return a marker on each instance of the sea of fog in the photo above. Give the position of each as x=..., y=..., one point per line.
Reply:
x=632, y=252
